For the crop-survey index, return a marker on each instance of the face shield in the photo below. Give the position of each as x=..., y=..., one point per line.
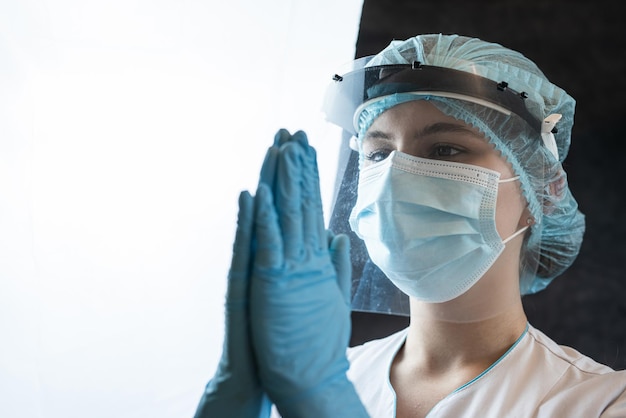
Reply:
x=364, y=84
x=512, y=120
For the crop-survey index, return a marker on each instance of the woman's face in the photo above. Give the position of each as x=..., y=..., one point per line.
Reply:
x=419, y=129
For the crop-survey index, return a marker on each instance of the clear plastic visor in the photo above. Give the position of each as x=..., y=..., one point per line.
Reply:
x=350, y=92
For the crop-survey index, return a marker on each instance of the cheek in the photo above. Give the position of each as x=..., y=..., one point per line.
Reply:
x=510, y=207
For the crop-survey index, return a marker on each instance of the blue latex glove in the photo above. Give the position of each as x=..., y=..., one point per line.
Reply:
x=299, y=295
x=235, y=389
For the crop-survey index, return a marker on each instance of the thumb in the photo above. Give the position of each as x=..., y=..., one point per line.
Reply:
x=239, y=273
x=339, y=249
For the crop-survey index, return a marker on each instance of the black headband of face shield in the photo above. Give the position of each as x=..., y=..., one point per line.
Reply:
x=355, y=88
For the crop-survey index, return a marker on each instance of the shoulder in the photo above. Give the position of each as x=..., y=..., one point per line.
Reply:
x=369, y=372
x=540, y=378
x=578, y=384
x=375, y=349
x=565, y=356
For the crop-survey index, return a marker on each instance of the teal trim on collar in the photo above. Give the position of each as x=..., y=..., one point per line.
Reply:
x=496, y=362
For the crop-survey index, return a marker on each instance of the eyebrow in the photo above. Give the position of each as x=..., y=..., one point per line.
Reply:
x=435, y=128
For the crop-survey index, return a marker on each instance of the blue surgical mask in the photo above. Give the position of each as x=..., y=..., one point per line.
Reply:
x=429, y=225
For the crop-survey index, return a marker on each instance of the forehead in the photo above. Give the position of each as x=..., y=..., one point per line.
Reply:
x=417, y=116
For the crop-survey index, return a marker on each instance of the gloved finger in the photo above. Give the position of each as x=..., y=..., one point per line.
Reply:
x=301, y=138
x=281, y=137
x=239, y=272
x=234, y=352
x=267, y=233
x=339, y=248
x=268, y=169
x=313, y=213
x=288, y=198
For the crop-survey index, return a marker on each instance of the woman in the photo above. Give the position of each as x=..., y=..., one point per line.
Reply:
x=463, y=205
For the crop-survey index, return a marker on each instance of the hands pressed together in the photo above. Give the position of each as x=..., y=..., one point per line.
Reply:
x=288, y=300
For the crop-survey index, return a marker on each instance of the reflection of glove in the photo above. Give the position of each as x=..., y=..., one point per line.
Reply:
x=235, y=390
x=299, y=295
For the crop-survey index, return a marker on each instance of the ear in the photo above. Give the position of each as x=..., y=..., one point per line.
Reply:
x=526, y=220
x=554, y=191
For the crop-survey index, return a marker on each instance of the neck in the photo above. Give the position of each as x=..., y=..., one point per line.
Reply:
x=438, y=345
x=477, y=327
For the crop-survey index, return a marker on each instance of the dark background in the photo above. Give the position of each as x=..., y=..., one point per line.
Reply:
x=580, y=47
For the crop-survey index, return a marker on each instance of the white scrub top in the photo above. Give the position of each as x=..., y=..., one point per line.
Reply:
x=535, y=378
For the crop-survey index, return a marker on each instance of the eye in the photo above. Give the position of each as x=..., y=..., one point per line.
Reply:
x=377, y=155
x=444, y=151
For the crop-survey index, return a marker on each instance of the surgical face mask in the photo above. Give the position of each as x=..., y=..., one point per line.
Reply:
x=429, y=225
